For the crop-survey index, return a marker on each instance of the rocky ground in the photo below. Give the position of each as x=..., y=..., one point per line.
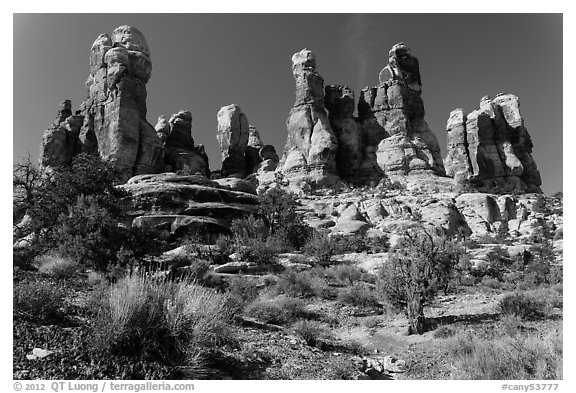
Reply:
x=348, y=341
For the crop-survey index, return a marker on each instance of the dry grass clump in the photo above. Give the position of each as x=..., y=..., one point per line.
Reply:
x=279, y=310
x=56, y=266
x=517, y=356
x=156, y=319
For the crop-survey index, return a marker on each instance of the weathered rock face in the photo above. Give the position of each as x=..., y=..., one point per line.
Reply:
x=115, y=122
x=181, y=203
x=233, y=134
x=397, y=140
x=348, y=130
x=309, y=156
x=61, y=141
x=243, y=151
x=490, y=147
x=181, y=155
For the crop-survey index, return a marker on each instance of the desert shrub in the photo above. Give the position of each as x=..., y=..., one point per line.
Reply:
x=280, y=310
x=263, y=252
x=444, y=331
x=524, y=306
x=241, y=291
x=38, y=300
x=152, y=319
x=88, y=234
x=418, y=266
x=87, y=175
x=491, y=282
x=320, y=247
x=303, y=283
x=520, y=356
x=372, y=322
x=197, y=270
x=312, y=332
x=358, y=294
x=278, y=208
x=511, y=324
x=339, y=368
x=56, y=266
x=346, y=274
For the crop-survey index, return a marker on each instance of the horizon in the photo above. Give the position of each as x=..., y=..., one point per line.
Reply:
x=253, y=70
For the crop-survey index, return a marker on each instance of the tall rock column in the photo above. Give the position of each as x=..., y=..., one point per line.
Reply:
x=309, y=156
x=395, y=132
x=233, y=135
x=490, y=147
x=115, y=122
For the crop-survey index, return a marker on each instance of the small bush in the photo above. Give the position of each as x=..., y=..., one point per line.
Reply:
x=347, y=274
x=303, y=283
x=38, y=301
x=444, y=331
x=524, y=306
x=358, y=294
x=262, y=252
x=312, y=332
x=320, y=247
x=56, y=266
x=278, y=311
x=240, y=292
x=372, y=322
x=491, y=282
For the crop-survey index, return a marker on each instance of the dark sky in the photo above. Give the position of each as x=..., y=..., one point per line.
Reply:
x=202, y=62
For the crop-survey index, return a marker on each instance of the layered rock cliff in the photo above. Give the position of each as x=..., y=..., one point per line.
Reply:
x=490, y=148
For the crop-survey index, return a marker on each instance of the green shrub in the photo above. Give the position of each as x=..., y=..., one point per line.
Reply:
x=312, y=332
x=56, y=266
x=38, y=300
x=524, y=306
x=358, y=294
x=517, y=357
x=280, y=310
x=170, y=321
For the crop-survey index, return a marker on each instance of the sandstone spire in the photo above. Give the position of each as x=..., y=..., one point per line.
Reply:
x=310, y=153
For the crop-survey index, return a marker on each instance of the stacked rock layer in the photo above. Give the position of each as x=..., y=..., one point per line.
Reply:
x=490, y=148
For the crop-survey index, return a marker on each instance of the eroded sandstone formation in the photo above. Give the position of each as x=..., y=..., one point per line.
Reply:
x=115, y=122
x=181, y=155
x=396, y=135
x=113, y=117
x=490, y=148
x=61, y=141
x=309, y=156
x=243, y=151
